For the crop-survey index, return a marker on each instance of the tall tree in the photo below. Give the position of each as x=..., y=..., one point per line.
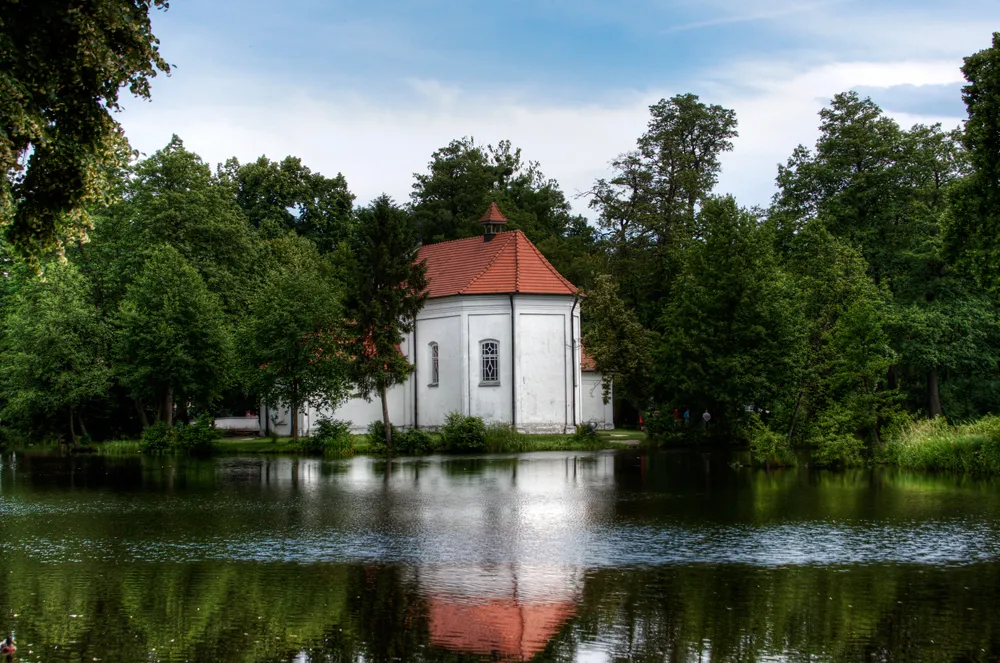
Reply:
x=52, y=352
x=389, y=289
x=62, y=65
x=975, y=223
x=290, y=346
x=730, y=338
x=172, y=343
x=286, y=195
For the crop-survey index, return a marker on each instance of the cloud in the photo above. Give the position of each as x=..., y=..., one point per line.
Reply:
x=754, y=16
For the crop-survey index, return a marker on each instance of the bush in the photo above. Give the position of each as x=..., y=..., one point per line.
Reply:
x=767, y=447
x=376, y=435
x=411, y=442
x=197, y=439
x=157, y=439
x=463, y=434
x=586, y=436
x=505, y=438
x=331, y=436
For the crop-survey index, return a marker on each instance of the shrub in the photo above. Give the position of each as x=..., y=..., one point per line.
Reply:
x=331, y=436
x=586, y=436
x=376, y=435
x=505, y=438
x=767, y=447
x=197, y=439
x=463, y=434
x=157, y=438
x=411, y=442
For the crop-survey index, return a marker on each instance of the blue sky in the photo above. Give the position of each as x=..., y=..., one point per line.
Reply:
x=370, y=89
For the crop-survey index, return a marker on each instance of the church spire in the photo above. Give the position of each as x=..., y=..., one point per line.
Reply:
x=493, y=222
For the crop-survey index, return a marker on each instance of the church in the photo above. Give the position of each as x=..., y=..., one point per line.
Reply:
x=498, y=338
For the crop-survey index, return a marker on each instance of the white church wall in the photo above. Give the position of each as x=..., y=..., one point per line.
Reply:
x=595, y=410
x=547, y=347
x=489, y=319
x=442, y=325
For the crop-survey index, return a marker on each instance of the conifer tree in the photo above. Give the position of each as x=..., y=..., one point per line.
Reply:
x=389, y=291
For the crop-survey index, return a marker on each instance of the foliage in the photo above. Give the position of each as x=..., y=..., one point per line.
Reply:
x=505, y=438
x=172, y=343
x=389, y=289
x=62, y=66
x=618, y=343
x=461, y=433
x=975, y=222
x=377, y=437
x=290, y=347
x=767, y=447
x=413, y=442
x=52, y=352
x=331, y=436
x=586, y=436
x=157, y=438
x=197, y=439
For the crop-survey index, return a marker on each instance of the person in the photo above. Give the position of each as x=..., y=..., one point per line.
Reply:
x=7, y=646
x=687, y=416
x=706, y=417
x=677, y=417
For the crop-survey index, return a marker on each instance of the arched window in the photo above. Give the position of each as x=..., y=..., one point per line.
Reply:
x=435, y=373
x=489, y=351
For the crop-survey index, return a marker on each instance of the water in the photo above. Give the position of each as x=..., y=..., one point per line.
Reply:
x=553, y=556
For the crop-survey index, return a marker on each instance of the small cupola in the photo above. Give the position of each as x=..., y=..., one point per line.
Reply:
x=493, y=222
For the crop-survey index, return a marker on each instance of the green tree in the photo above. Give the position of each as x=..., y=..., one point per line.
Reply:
x=618, y=343
x=389, y=289
x=647, y=208
x=52, y=352
x=172, y=199
x=172, y=344
x=62, y=65
x=286, y=195
x=730, y=337
x=291, y=345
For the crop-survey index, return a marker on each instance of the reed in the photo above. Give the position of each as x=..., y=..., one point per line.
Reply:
x=934, y=444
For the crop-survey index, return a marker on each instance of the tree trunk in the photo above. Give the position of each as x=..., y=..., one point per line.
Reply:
x=892, y=377
x=83, y=429
x=167, y=407
x=385, y=420
x=72, y=429
x=143, y=419
x=933, y=393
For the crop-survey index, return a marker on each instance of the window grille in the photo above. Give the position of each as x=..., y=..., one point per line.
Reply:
x=435, y=374
x=491, y=361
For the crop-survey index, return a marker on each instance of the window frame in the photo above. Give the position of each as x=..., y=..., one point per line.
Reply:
x=435, y=351
x=484, y=358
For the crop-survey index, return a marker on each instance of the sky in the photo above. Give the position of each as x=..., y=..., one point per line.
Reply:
x=370, y=89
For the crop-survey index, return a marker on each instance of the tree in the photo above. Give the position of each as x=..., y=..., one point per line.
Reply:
x=975, y=222
x=52, y=351
x=729, y=338
x=290, y=346
x=389, y=290
x=172, y=343
x=286, y=195
x=173, y=199
x=618, y=343
x=62, y=65
x=647, y=208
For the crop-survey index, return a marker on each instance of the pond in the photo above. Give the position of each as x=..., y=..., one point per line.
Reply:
x=603, y=556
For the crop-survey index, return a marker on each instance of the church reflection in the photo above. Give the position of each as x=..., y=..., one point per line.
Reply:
x=508, y=612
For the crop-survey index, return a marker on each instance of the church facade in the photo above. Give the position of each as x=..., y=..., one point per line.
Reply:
x=499, y=338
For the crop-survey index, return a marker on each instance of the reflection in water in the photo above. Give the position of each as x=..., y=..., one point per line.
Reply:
x=595, y=557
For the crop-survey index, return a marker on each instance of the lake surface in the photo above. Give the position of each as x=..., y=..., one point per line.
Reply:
x=665, y=556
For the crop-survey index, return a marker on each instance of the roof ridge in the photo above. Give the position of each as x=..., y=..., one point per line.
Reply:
x=485, y=269
x=517, y=263
x=451, y=241
x=548, y=264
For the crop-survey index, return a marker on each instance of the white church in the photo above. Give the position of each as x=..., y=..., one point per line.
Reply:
x=499, y=338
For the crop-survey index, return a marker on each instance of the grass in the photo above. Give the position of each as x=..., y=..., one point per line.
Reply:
x=499, y=439
x=937, y=445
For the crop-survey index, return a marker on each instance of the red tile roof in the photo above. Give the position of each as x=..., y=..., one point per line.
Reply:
x=493, y=215
x=509, y=263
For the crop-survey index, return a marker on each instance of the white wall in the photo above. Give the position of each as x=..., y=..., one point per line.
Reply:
x=594, y=409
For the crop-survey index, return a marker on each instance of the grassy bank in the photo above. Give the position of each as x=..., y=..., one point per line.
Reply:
x=937, y=445
x=361, y=444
